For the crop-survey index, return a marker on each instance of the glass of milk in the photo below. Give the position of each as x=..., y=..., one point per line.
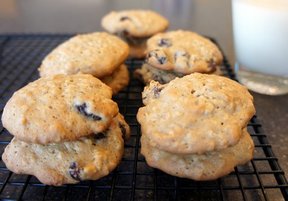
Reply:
x=261, y=44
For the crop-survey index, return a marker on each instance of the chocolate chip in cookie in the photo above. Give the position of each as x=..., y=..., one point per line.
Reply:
x=160, y=58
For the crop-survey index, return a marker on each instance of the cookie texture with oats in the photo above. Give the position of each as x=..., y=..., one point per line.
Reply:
x=87, y=158
x=195, y=114
x=208, y=166
x=98, y=54
x=137, y=23
x=118, y=80
x=183, y=52
x=59, y=108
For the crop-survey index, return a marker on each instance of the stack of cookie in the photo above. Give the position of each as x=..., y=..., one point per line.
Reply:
x=135, y=27
x=99, y=54
x=195, y=126
x=178, y=53
x=66, y=129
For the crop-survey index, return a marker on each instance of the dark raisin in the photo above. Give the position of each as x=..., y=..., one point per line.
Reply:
x=212, y=65
x=125, y=18
x=82, y=110
x=156, y=91
x=123, y=130
x=164, y=42
x=162, y=60
x=74, y=171
x=99, y=136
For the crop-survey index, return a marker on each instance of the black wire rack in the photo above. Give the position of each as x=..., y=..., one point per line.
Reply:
x=260, y=179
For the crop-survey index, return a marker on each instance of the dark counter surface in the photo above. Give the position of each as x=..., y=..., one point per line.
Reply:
x=272, y=112
x=208, y=17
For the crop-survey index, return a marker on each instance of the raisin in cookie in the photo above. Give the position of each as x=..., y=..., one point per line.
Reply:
x=134, y=27
x=183, y=52
x=118, y=80
x=195, y=114
x=59, y=108
x=87, y=158
x=97, y=53
x=147, y=73
x=208, y=166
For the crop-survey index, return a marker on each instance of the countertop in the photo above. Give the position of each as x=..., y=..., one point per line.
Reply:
x=208, y=17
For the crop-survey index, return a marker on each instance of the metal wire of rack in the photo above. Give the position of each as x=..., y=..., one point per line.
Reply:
x=260, y=179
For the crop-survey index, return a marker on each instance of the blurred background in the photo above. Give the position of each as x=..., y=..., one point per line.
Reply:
x=74, y=16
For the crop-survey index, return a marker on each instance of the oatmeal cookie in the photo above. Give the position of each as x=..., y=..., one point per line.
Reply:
x=195, y=114
x=59, y=108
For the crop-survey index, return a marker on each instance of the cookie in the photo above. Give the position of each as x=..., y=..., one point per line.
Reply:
x=137, y=52
x=118, y=80
x=87, y=158
x=183, y=52
x=137, y=45
x=195, y=114
x=98, y=54
x=136, y=23
x=147, y=73
x=134, y=27
x=59, y=108
x=124, y=127
x=208, y=166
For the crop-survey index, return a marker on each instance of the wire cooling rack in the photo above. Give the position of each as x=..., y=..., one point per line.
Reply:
x=260, y=179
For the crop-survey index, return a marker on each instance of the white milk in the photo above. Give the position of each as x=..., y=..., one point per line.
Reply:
x=261, y=35
x=261, y=40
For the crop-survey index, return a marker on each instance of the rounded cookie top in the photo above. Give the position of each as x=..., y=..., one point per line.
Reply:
x=138, y=52
x=195, y=114
x=96, y=53
x=183, y=52
x=208, y=166
x=137, y=23
x=87, y=158
x=118, y=79
x=59, y=108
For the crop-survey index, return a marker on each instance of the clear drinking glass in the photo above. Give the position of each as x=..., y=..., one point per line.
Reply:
x=261, y=44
